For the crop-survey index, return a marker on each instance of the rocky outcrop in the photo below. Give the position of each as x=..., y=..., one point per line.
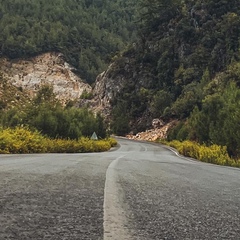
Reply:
x=157, y=123
x=49, y=68
x=110, y=86
x=105, y=89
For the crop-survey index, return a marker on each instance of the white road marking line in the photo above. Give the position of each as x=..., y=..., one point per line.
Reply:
x=181, y=156
x=114, y=218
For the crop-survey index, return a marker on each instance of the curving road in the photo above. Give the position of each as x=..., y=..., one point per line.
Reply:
x=138, y=191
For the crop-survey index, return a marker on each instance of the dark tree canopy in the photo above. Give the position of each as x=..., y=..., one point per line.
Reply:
x=87, y=32
x=188, y=61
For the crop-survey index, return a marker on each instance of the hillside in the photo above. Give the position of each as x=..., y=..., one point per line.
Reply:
x=30, y=74
x=11, y=96
x=87, y=33
x=185, y=65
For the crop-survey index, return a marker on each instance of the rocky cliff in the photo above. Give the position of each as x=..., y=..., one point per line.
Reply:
x=49, y=68
x=106, y=89
x=124, y=82
x=29, y=75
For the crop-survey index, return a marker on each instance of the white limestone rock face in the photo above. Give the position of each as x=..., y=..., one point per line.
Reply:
x=49, y=68
x=105, y=89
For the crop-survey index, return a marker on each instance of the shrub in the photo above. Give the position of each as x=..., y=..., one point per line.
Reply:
x=112, y=141
x=22, y=140
x=212, y=154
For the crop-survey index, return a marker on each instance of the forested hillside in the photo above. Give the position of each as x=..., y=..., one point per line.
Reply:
x=181, y=61
x=87, y=32
x=185, y=65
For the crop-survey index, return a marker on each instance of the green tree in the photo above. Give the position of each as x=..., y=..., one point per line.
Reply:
x=161, y=100
x=120, y=119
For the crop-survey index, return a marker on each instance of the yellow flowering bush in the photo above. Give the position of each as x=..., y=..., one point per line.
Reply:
x=212, y=154
x=22, y=140
x=112, y=141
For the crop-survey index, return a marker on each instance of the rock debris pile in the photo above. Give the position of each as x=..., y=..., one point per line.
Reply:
x=153, y=134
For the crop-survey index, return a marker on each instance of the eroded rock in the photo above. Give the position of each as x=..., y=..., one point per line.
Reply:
x=49, y=68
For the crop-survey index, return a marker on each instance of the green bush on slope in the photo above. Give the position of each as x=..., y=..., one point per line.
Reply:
x=48, y=116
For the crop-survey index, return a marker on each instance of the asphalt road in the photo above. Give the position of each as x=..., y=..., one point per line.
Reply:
x=138, y=191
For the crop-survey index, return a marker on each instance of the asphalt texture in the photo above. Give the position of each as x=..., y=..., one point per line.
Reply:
x=51, y=197
x=137, y=191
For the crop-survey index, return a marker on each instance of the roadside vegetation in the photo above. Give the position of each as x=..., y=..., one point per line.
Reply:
x=44, y=125
x=22, y=140
x=211, y=154
x=46, y=114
